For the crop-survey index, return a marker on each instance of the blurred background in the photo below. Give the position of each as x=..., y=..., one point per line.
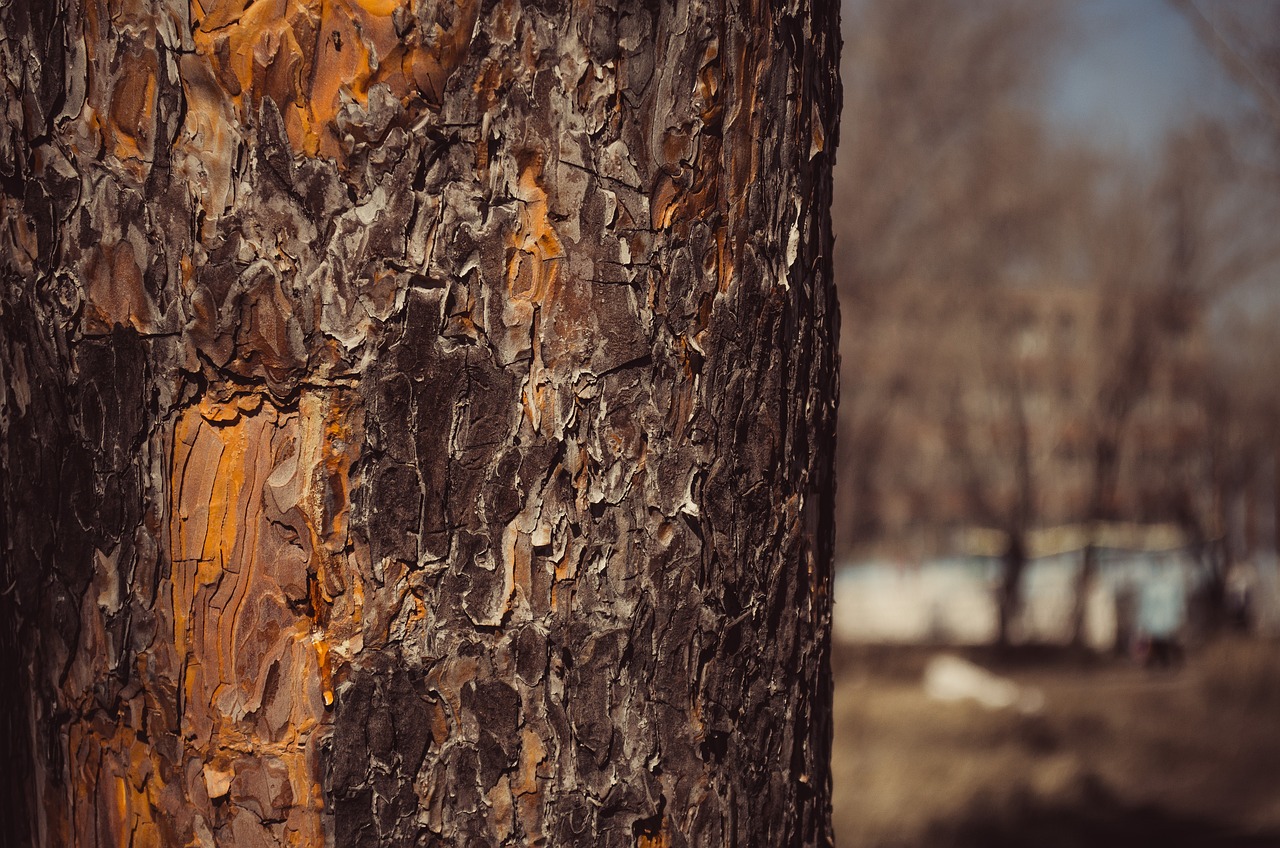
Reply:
x=1057, y=614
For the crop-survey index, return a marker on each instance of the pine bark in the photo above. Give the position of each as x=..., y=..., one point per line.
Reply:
x=418, y=422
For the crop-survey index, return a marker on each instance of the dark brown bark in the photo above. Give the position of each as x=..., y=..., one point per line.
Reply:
x=417, y=421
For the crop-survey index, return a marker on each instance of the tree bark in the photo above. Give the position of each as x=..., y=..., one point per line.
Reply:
x=418, y=422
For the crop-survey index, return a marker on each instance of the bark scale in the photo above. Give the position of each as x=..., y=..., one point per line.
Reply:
x=418, y=422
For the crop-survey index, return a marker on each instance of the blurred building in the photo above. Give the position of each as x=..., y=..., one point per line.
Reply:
x=1145, y=588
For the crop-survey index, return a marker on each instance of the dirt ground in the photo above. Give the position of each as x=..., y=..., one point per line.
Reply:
x=1118, y=756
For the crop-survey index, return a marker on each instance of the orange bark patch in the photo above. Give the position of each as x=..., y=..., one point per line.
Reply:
x=534, y=254
x=532, y=753
x=535, y=248
x=210, y=137
x=132, y=105
x=115, y=790
x=657, y=839
x=312, y=56
x=122, y=63
x=501, y=807
x=259, y=498
x=524, y=783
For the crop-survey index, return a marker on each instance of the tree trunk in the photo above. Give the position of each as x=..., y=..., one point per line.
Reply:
x=1013, y=566
x=1106, y=469
x=417, y=422
x=1086, y=579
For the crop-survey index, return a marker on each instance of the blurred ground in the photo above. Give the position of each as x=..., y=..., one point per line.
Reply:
x=1118, y=756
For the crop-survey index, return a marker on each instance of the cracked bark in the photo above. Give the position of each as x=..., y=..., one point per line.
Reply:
x=417, y=422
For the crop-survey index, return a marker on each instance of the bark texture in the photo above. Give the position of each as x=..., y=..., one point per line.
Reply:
x=417, y=422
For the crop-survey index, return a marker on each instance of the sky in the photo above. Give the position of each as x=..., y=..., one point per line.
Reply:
x=1132, y=69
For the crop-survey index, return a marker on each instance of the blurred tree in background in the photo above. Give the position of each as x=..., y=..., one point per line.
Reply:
x=1037, y=331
